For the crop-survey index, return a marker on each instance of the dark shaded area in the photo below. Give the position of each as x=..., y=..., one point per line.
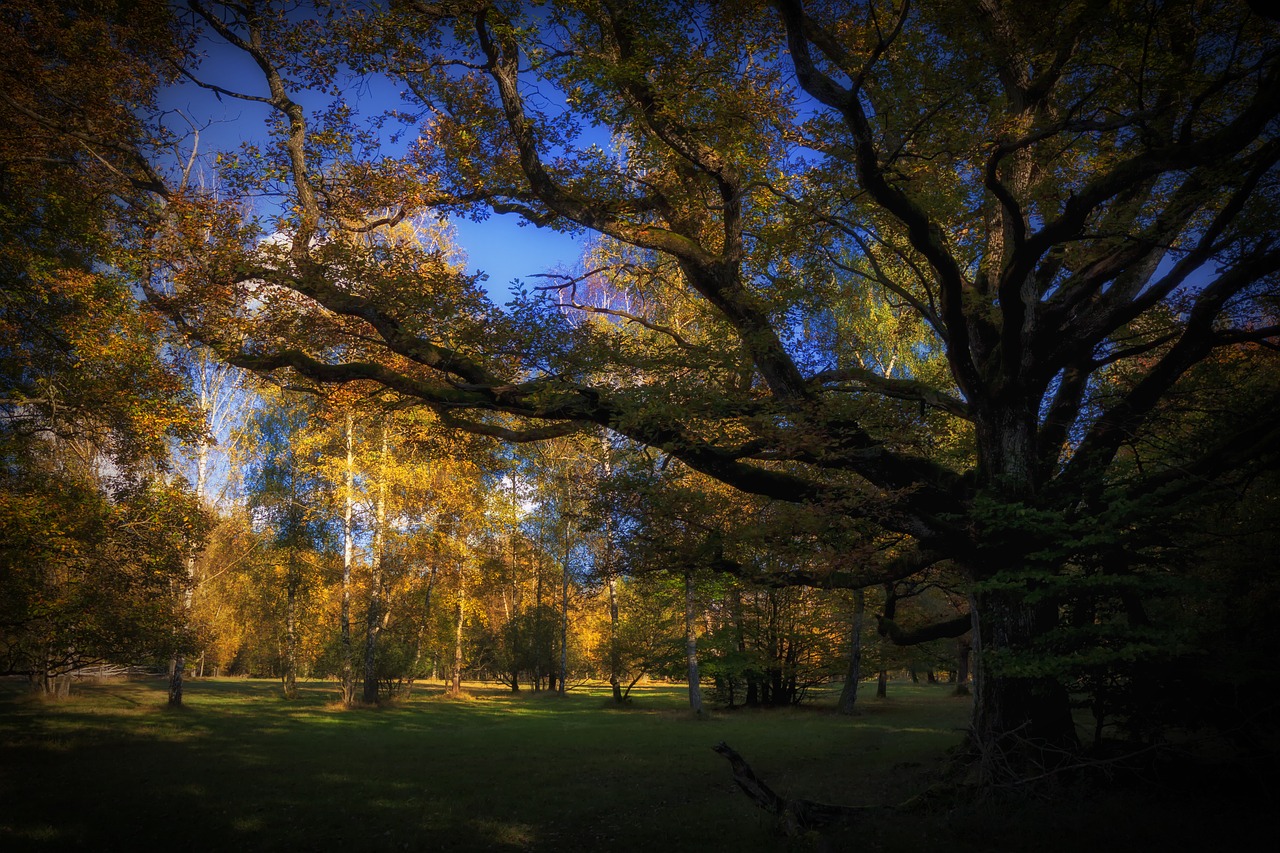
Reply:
x=539, y=774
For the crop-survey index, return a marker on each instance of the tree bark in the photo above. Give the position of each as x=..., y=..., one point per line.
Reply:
x=691, y=646
x=964, y=649
x=615, y=656
x=348, y=559
x=455, y=678
x=422, y=628
x=849, y=692
x=373, y=624
x=290, y=678
x=1021, y=724
x=564, y=625
x=178, y=667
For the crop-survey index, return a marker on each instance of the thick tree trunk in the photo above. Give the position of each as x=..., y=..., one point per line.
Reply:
x=1021, y=724
x=691, y=646
x=849, y=692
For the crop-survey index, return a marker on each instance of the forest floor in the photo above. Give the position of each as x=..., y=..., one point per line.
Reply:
x=241, y=769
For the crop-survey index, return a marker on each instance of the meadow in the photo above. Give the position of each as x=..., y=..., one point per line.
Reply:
x=241, y=769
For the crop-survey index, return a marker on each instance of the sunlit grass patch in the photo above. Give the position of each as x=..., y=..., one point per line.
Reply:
x=505, y=834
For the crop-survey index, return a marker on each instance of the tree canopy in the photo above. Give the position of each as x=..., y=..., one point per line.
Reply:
x=954, y=279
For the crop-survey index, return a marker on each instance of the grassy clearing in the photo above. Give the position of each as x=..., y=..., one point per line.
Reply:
x=243, y=770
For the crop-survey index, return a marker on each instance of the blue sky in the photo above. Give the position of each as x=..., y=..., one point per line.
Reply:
x=498, y=246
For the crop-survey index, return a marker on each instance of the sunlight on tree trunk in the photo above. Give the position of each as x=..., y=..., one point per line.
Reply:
x=455, y=674
x=347, y=674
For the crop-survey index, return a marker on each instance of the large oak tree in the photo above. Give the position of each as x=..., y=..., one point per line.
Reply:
x=1066, y=207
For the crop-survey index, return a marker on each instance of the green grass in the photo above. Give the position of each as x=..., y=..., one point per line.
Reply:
x=241, y=769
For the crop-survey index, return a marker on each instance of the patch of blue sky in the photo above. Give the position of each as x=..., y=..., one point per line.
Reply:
x=503, y=248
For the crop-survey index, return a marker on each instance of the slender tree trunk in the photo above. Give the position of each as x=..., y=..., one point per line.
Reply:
x=291, y=630
x=512, y=611
x=178, y=665
x=348, y=560
x=849, y=692
x=882, y=684
x=963, y=650
x=564, y=623
x=422, y=627
x=373, y=625
x=615, y=653
x=455, y=681
x=44, y=679
x=740, y=639
x=538, y=633
x=691, y=645
x=754, y=677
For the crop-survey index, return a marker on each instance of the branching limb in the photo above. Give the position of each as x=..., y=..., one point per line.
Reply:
x=925, y=235
x=902, y=389
x=515, y=436
x=957, y=627
x=1123, y=419
x=896, y=568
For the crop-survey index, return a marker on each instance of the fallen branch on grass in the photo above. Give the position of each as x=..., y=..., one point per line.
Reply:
x=796, y=816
